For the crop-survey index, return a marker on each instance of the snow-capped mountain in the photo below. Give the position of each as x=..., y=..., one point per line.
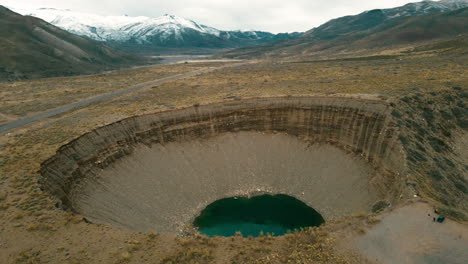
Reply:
x=412, y=23
x=425, y=7
x=33, y=48
x=164, y=31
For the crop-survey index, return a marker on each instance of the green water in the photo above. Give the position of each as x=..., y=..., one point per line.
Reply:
x=274, y=214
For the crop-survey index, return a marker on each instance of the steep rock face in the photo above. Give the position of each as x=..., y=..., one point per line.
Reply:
x=157, y=171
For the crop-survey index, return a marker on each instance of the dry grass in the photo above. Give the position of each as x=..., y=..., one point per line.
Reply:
x=28, y=257
x=40, y=227
x=27, y=97
x=124, y=258
x=328, y=77
x=372, y=220
x=21, y=153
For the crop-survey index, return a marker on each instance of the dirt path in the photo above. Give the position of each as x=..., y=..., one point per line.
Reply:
x=409, y=235
x=52, y=112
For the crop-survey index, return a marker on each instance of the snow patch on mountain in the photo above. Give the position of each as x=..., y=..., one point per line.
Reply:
x=425, y=7
x=119, y=28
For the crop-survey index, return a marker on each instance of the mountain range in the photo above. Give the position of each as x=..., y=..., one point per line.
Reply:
x=413, y=22
x=33, y=48
x=373, y=18
x=167, y=31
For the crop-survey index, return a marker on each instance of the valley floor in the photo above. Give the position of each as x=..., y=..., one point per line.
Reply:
x=33, y=230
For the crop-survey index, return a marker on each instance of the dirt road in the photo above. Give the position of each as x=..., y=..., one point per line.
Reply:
x=49, y=113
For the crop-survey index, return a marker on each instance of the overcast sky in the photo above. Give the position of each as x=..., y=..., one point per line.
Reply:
x=267, y=15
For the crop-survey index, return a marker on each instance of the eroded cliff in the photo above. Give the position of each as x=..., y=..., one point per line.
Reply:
x=157, y=171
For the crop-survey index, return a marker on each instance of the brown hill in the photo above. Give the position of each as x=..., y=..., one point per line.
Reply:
x=33, y=48
x=404, y=31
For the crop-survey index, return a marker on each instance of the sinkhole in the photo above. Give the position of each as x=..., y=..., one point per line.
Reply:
x=171, y=171
x=264, y=214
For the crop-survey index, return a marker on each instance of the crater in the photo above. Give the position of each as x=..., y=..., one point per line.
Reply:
x=158, y=172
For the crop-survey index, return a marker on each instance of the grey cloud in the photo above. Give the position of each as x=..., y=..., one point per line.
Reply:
x=268, y=15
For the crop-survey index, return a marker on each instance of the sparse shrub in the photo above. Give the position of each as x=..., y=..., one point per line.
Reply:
x=449, y=162
x=379, y=206
x=452, y=212
x=29, y=257
x=152, y=235
x=462, y=187
x=442, y=199
x=408, y=123
x=373, y=220
x=186, y=242
x=71, y=218
x=420, y=130
x=40, y=227
x=437, y=144
x=446, y=133
x=457, y=112
x=461, y=115
x=420, y=147
x=133, y=246
x=396, y=114
x=417, y=97
x=18, y=216
x=415, y=156
x=435, y=174
x=403, y=140
x=439, y=163
x=428, y=115
x=449, y=98
x=360, y=214
x=361, y=230
x=192, y=255
x=124, y=258
x=463, y=123
x=446, y=115
x=405, y=99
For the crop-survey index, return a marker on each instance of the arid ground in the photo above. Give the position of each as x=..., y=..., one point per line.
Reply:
x=426, y=93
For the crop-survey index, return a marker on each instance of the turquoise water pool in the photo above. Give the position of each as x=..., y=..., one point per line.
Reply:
x=273, y=214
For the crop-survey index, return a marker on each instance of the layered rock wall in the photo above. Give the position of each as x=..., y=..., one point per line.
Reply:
x=362, y=129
